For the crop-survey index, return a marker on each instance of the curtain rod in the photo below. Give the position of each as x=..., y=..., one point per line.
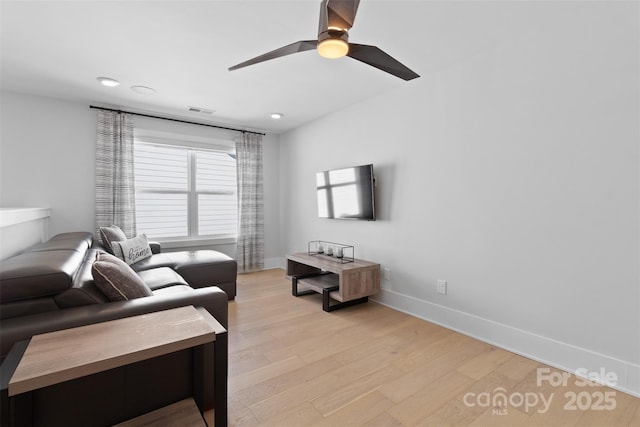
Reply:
x=175, y=120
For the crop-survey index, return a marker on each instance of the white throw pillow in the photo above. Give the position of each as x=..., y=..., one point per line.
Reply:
x=132, y=250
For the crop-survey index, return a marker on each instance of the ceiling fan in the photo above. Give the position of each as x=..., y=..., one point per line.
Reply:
x=336, y=18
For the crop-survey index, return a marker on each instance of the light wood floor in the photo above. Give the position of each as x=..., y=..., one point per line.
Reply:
x=292, y=364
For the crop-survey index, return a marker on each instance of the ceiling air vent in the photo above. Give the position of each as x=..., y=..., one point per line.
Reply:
x=200, y=110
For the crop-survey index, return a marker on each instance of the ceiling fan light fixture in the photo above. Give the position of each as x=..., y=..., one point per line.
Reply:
x=336, y=19
x=333, y=48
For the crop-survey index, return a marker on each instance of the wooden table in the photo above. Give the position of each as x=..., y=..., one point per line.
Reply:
x=348, y=283
x=73, y=354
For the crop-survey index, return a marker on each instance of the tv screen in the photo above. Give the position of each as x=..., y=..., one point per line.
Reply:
x=346, y=193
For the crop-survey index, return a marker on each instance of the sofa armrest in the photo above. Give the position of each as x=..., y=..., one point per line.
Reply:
x=214, y=360
x=213, y=299
x=156, y=247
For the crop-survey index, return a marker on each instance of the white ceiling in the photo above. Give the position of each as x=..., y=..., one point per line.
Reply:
x=184, y=48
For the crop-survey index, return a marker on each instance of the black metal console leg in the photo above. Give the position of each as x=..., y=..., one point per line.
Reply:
x=326, y=300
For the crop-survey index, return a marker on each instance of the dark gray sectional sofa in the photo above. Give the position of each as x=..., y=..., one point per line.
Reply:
x=50, y=287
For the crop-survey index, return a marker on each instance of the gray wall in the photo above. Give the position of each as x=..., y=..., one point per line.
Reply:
x=514, y=176
x=47, y=151
x=47, y=159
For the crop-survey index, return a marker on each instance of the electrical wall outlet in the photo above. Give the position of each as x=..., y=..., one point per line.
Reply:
x=386, y=273
x=442, y=287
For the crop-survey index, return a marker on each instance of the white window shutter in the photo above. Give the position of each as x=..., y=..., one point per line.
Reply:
x=176, y=184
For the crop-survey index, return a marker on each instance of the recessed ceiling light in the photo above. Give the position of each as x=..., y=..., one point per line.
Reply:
x=277, y=116
x=143, y=90
x=106, y=81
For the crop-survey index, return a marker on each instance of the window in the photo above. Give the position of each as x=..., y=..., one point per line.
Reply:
x=185, y=193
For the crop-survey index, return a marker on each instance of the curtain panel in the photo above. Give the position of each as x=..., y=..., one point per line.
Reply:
x=115, y=190
x=250, y=246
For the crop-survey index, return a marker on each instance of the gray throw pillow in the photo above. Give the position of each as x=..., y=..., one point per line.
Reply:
x=109, y=235
x=117, y=280
x=132, y=250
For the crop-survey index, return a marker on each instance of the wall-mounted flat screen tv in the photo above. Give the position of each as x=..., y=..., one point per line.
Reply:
x=346, y=193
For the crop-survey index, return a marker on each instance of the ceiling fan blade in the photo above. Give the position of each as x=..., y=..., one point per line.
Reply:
x=375, y=57
x=337, y=14
x=292, y=48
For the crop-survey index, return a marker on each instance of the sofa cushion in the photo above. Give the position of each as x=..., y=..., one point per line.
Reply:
x=75, y=235
x=61, y=244
x=117, y=280
x=174, y=290
x=200, y=268
x=205, y=268
x=111, y=234
x=27, y=307
x=83, y=291
x=38, y=274
x=162, y=277
x=163, y=259
x=132, y=250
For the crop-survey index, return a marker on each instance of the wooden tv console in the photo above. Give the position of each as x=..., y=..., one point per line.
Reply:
x=348, y=283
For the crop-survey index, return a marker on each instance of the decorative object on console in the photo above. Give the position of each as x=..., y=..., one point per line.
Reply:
x=337, y=252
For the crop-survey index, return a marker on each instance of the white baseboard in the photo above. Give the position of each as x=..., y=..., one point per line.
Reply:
x=546, y=350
